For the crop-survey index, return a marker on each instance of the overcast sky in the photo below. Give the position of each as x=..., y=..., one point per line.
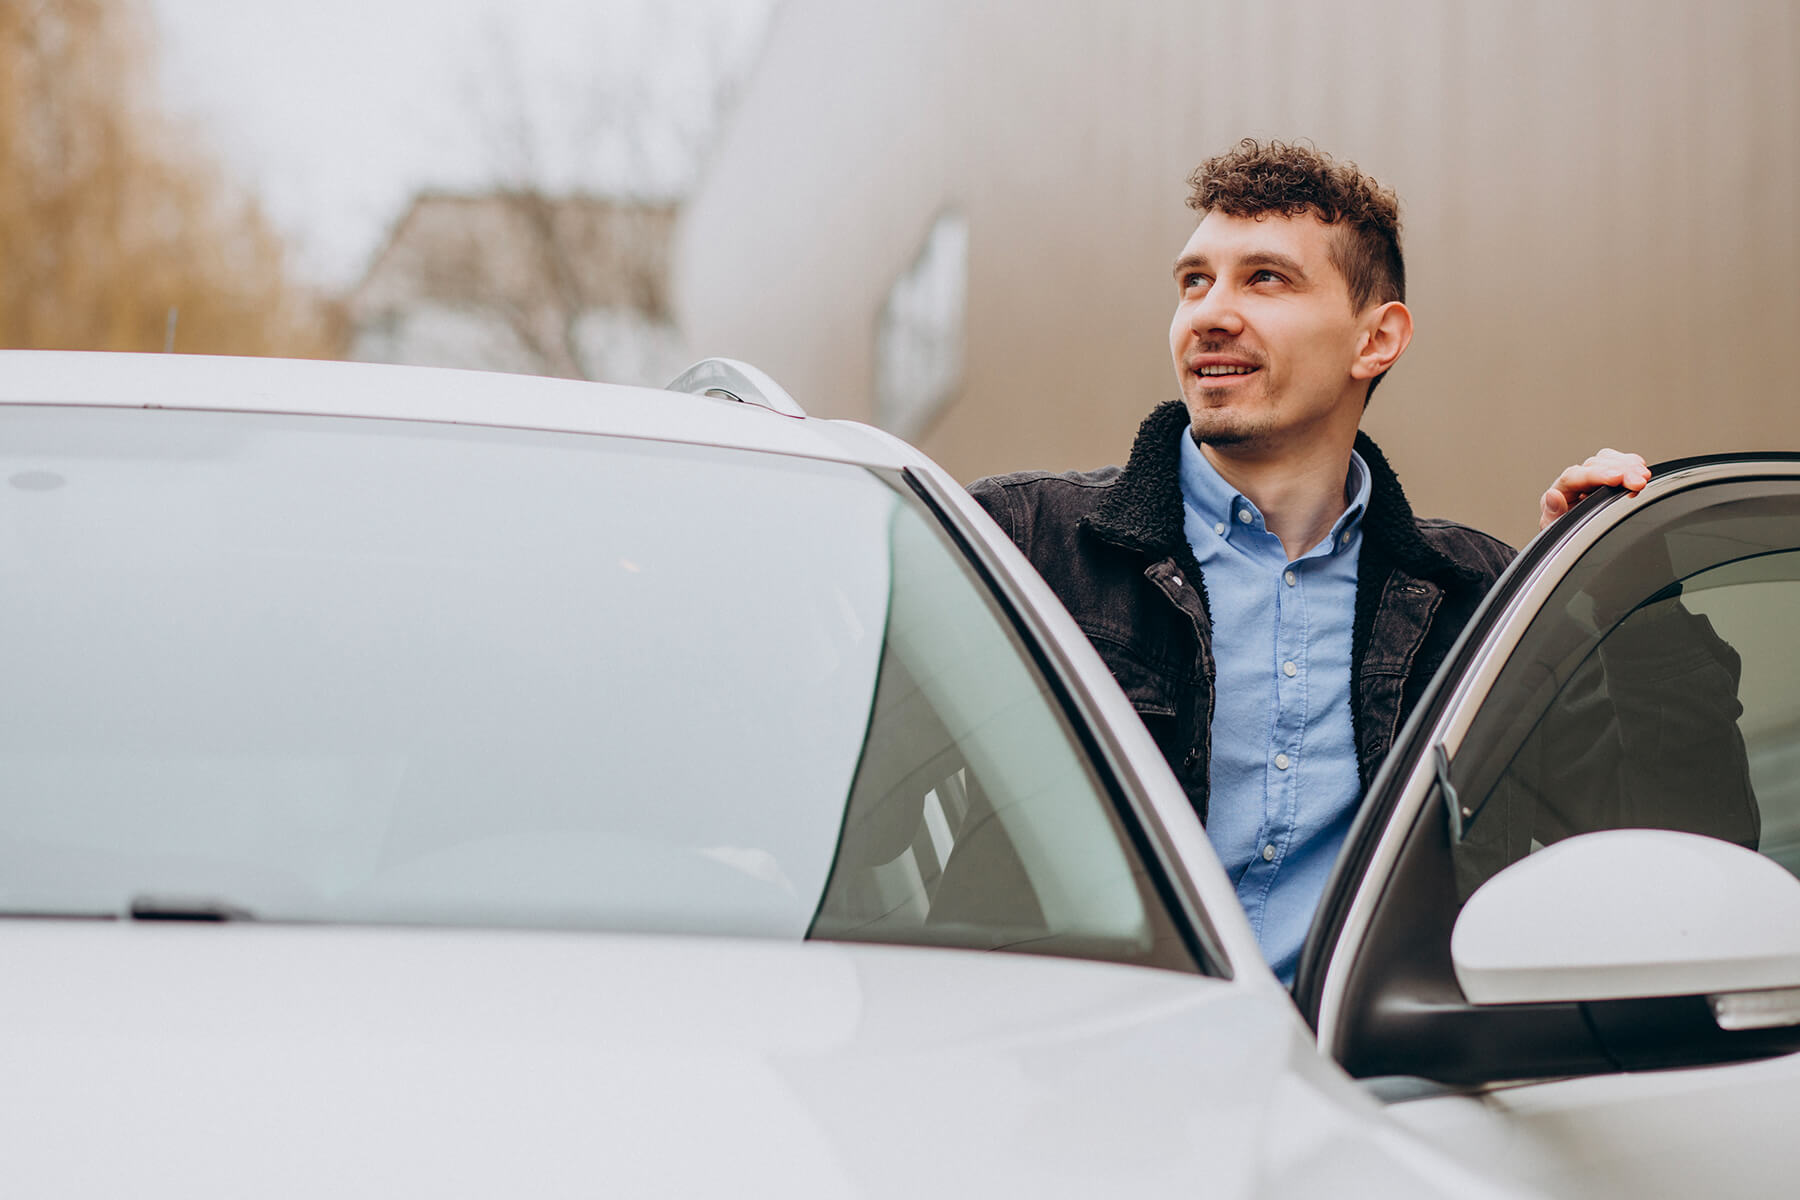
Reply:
x=336, y=111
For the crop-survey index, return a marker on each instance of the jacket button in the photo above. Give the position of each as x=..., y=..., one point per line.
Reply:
x=1175, y=579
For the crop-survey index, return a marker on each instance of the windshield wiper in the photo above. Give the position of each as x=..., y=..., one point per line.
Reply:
x=46, y=914
x=186, y=908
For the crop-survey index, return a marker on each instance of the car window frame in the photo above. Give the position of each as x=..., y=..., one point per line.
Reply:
x=1119, y=771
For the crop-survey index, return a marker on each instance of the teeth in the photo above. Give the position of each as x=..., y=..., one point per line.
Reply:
x=1226, y=370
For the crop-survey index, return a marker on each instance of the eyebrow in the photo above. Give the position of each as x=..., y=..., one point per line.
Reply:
x=1188, y=262
x=1255, y=259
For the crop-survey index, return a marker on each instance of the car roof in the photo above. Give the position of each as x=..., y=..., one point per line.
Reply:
x=375, y=390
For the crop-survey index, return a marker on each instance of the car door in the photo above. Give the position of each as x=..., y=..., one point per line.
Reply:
x=1630, y=690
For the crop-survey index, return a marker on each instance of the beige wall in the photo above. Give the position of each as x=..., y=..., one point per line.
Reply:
x=1601, y=225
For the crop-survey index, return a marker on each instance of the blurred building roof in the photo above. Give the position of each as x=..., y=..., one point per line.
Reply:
x=522, y=248
x=523, y=281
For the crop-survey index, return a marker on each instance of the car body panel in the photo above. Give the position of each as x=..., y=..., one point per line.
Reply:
x=1699, y=1131
x=295, y=1060
x=321, y=388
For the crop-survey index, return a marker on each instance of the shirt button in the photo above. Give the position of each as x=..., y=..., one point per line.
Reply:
x=1269, y=852
x=1219, y=528
x=1291, y=578
x=1289, y=669
x=1244, y=515
x=1281, y=762
x=1175, y=579
x=1346, y=538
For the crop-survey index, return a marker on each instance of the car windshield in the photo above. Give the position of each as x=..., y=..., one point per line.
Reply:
x=361, y=671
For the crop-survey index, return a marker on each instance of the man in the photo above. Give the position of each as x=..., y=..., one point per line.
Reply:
x=1254, y=576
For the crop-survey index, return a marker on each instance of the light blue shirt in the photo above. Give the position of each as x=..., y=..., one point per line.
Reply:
x=1283, y=782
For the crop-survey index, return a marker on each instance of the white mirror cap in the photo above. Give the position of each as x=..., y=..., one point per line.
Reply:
x=1626, y=913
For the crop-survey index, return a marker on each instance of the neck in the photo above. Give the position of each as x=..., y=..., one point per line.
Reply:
x=1299, y=495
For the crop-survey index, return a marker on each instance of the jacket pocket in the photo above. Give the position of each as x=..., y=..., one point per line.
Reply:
x=1151, y=691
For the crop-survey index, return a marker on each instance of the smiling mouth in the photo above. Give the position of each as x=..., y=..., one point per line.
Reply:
x=1223, y=371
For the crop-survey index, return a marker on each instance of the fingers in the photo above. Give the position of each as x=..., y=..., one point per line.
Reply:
x=1618, y=469
x=1550, y=507
x=1608, y=468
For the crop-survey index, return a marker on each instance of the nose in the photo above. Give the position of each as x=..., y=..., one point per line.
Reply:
x=1216, y=312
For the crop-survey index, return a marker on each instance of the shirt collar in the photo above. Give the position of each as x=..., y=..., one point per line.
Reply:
x=1217, y=503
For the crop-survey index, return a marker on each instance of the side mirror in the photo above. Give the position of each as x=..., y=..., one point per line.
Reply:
x=1629, y=913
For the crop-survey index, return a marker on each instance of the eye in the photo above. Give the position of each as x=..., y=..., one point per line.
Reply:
x=1191, y=280
x=1265, y=276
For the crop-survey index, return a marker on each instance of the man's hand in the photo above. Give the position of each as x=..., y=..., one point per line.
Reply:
x=1608, y=468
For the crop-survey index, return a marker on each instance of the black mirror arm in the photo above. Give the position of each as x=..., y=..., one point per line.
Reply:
x=1452, y=805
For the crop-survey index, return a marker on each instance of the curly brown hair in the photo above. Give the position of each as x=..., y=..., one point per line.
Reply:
x=1288, y=179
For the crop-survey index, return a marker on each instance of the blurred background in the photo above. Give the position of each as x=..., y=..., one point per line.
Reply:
x=953, y=219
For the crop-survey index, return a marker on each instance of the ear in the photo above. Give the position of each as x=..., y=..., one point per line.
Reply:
x=1386, y=332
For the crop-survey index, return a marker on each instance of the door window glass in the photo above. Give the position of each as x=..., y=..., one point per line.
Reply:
x=1659, y=687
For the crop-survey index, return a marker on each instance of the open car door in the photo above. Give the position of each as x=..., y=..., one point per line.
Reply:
x=1576, y=873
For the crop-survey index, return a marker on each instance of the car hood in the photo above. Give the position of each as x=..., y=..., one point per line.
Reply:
x=236, y=1060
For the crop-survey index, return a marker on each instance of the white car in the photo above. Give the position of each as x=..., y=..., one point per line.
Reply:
x=420, y=782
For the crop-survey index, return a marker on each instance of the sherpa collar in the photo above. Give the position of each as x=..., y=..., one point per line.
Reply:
x=1142, y=509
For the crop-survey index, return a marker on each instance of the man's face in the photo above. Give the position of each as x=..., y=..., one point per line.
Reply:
x=1264, y=337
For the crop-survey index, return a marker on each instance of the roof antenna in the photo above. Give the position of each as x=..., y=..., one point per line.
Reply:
x=169, y=329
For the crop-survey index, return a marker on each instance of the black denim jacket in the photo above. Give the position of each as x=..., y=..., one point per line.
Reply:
x=1111, y=544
